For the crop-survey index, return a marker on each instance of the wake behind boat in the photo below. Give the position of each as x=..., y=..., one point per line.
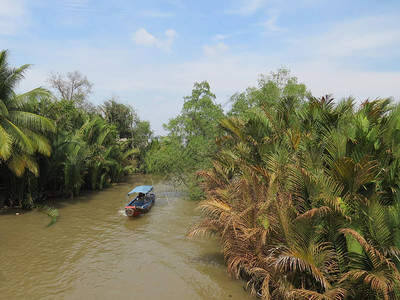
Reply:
x=143, y=200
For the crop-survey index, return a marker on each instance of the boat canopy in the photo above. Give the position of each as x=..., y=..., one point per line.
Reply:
x=144, y=189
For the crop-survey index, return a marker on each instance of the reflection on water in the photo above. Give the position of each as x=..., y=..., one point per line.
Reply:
x=95, y=252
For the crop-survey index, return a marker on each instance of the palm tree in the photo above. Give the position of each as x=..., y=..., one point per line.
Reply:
x=20, y=129
x=306, y=201
x=108, y=158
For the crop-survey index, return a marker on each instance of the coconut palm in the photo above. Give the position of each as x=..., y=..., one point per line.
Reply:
x=20, y=136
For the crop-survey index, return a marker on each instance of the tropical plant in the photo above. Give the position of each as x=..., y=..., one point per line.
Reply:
x=191, y=139
x=22, y=139
x=20, y=129
x=80, y=149
x=49, y=211
x=305, y=199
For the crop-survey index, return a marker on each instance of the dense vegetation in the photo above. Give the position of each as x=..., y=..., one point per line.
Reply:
x=51, y=146
x=303, y=191
x=304, y=194
x=191, y=139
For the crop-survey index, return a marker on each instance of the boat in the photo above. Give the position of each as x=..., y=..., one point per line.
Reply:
x=141, y=199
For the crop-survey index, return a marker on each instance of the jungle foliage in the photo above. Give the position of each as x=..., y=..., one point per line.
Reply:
x=190, y=140
x=56, y=147
x=304, y=193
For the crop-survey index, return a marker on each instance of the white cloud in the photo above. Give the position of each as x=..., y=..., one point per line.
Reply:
x=144, y=38
x=216, y=49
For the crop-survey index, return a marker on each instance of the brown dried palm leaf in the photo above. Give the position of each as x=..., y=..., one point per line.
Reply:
x=214, y=178
x=238, y=246
x=375, y=255
x=282, y=288
x=264, y=276
x=331, y=267
x=332, y=294
x=317, y=211
x=382, y=281
x=391, y=251
x=215, y=216
x=384, y=278
x=292, y=260
x=214, y=208
x=262, y=172
x=238, y=257
x=259, y=283
x=205, y=226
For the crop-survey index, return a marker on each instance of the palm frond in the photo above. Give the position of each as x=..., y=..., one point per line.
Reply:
x=18, y=163
x=292, y=260
x=130, y=152
x=332, y=294
x=18, y=136
x=39, y=142
x=5, y=144
x=374, y=253
x=3, y=109
x=317, y=211
x=49, y=211
x=31, y=120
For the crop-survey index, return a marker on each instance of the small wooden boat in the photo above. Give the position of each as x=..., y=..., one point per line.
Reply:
x=143, y=200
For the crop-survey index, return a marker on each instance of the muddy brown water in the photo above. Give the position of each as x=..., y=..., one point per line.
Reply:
x=95, y=252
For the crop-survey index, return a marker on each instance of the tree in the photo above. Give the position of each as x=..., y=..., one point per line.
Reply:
x=141, y=133
x=130, y=127
x=119, y=114
x=71, y=86
x=306, y=198
x=199, y=115
x=190, y=140
x=20, y=129
x=271, y=89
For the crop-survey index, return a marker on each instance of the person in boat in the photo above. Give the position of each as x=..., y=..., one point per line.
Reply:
x=142, y=203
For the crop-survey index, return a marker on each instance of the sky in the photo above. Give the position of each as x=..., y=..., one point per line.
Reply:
x=148, y=54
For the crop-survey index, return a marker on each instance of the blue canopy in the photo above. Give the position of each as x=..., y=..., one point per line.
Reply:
x=144, y=189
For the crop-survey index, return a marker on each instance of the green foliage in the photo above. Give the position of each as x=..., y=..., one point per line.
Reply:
x=190, y=140
x=198, y=116
x=129, y=126
x=120, y=115
x=49, y=211
x=20, y=130
x=90, y=156
x=271, y=90
x=304, y=194
x=40, y=157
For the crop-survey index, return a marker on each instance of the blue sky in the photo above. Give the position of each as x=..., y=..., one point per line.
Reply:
x=150, y=53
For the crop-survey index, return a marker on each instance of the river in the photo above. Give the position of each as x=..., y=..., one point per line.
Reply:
x=95, y=252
